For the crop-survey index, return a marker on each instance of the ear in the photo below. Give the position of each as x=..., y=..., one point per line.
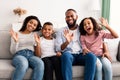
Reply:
x=53, y=31
x=76, y=16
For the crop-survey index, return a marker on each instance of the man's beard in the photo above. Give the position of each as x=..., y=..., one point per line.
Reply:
x=71, y=25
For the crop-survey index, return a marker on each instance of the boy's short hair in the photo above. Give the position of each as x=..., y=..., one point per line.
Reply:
x=47, y=23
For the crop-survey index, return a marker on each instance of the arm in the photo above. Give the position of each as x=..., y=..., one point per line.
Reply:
x=14, y=41
x=106, y=52
x=69, y=38
x=37, y=46
x=13, y=46
x=105, y=23
x=85, y=49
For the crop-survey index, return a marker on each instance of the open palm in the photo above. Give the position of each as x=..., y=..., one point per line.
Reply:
x=68, y=35
x=37, y=38
x=14, y=35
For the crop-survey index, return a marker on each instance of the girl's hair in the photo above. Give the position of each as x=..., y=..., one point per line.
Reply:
x=96, y=26
x=27, y=19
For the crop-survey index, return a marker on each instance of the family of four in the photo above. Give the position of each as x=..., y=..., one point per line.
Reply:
x=74, y=44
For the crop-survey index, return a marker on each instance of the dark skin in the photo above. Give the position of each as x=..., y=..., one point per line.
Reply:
x=70, y=18
x=106, y=52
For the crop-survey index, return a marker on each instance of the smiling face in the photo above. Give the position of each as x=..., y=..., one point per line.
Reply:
x=71, y=18
x=31, y=25
x=47, y=31
x=88, y=26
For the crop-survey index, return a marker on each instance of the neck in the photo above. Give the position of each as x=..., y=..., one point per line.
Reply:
x=48, y=38
x=74, y=27
x=26, y=32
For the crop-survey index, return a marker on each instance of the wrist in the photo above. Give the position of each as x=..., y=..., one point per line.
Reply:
x=37, y=44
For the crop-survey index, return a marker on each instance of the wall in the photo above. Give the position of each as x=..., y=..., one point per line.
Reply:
x=46, y=10
x=115, y=15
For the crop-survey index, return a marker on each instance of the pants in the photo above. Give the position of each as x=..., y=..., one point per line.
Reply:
x=52, y=64
x=22, y=60
x=103, y=64
x=88, y=60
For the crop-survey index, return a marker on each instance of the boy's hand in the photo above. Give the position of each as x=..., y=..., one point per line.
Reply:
x=37, y=38
x=58, y=54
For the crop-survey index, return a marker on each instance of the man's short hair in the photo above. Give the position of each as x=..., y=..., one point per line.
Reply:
x=71, y=10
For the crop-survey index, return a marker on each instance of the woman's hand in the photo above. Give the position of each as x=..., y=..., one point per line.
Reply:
x=14, y=35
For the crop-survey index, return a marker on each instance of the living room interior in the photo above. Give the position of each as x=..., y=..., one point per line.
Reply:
x=54, y=11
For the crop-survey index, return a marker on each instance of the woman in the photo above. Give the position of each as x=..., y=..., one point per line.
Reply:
x=23, y=47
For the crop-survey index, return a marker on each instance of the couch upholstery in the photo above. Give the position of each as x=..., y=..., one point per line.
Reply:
x=6, y=68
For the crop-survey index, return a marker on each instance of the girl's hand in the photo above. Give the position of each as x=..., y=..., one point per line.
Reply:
x=107, y=55
x=85, y=51
x=68, y=35
x=37, y=38
x=104, y=22
x=14, y=35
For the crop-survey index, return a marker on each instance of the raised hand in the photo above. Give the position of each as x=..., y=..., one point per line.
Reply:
x=37, y=38
x=14, y=35
x=68, y=35
x=104, y=22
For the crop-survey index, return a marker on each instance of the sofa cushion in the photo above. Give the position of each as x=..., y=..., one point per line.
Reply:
x=113, y=47
x=6, y=70
x=115, y=69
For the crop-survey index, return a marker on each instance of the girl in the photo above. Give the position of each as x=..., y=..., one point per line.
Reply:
x=50, y=58
x=24, y=50
x=92, y=41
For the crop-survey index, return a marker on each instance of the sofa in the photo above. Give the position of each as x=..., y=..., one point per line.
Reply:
x=6, y=68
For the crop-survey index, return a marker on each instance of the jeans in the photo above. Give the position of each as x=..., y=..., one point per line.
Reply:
x=52, y=64
x=88, y=60
x=103, y=64
x=22, y=60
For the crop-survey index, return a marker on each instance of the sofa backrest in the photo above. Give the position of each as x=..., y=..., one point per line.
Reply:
x=113, y=48
x=5, y=44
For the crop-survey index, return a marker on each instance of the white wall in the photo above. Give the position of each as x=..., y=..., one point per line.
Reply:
x=115, y=15
x=45, y=10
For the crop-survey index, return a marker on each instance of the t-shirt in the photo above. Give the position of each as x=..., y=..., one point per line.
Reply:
x=47, y=47
x=93, y=43
x=25, y=41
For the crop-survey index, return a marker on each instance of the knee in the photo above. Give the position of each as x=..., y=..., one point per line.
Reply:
x=38, y=63
x=91, y=57
x=98, y=65
x=66, y=56
x=20, y=62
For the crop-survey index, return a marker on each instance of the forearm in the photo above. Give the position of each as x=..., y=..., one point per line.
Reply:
x=37, y=50
x=13, y=46
x=64, y=45
x=112, y=32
